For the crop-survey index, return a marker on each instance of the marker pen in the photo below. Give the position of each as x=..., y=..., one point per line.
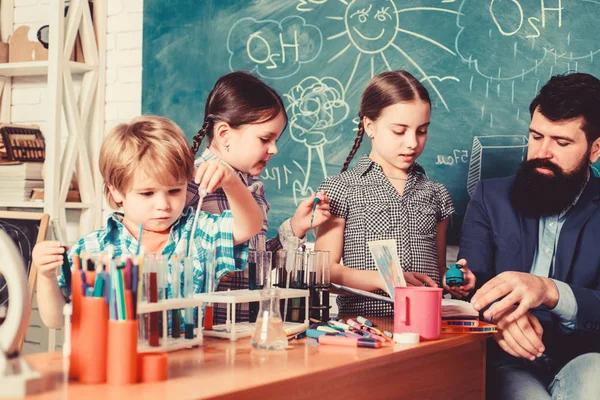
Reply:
x=329, y=329
x=339, y=324
x=365, y=328
x=350, y=342
x=364, y=321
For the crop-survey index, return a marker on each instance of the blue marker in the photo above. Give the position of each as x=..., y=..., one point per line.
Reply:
x=312, y=216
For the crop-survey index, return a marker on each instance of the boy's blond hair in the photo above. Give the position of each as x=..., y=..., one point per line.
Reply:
x=151, y=144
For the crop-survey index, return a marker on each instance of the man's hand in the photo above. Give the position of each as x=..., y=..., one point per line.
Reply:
x=470, y=280
x=520, y=338
x=526, y=290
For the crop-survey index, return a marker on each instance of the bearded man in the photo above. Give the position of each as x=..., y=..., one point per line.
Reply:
x=533, y=242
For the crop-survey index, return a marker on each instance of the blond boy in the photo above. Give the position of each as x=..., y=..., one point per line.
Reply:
x=146, y=165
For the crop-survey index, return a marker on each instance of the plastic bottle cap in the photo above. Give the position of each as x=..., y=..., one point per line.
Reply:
x=406, y=338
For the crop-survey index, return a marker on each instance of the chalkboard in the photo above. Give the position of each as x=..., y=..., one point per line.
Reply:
x=25, y=229
x=482, y=61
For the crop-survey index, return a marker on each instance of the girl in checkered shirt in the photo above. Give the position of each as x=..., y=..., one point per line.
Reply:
x=243, y=119
x=387, y=195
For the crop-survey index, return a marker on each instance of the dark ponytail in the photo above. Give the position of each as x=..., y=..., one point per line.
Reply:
x=384, y=90
x=238, y=98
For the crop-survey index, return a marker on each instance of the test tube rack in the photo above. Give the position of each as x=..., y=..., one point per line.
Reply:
x=232, y=330
x=168, y=343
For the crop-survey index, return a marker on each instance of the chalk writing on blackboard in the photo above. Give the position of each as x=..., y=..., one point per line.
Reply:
x=482, y=61
x=273, y=49
x=518, y=30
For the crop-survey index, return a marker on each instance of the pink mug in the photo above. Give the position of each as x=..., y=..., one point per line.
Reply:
x=418, y=309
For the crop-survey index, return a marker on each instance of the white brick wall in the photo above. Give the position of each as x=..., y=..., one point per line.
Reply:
x=123, y=61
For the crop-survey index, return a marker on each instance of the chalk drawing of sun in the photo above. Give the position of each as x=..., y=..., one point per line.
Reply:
x=372, y=27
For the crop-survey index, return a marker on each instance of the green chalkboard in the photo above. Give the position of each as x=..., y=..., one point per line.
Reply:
x=483, y=61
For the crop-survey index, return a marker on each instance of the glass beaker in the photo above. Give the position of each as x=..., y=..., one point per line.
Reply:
x=269, y=333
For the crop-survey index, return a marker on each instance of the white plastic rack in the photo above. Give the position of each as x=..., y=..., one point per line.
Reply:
x=232, y=330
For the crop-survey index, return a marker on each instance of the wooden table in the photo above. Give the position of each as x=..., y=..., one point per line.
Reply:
x=450, y=368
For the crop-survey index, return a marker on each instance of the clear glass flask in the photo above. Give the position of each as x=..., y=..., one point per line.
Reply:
x=269, y=333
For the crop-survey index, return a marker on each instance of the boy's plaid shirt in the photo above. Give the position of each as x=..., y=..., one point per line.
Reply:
x=212, y=232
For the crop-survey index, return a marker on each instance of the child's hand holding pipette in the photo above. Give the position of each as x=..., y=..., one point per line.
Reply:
x=247, y=216
x=213, y=174
x=307, y=210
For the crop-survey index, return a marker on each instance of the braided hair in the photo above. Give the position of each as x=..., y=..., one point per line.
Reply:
x=238, y=98
x=384, y=90
x=357, y=141
x=206, y=127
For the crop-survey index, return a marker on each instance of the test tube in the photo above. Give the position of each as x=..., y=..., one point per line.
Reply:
x=299, y=281
x=175, y=289
x=210, y=263
x=254, y=272
x=151, y=320
x=188, y=274
x=263, y=269
x=280, y=268
x=320, y=286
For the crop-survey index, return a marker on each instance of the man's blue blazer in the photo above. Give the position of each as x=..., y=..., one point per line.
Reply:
x=495, y=238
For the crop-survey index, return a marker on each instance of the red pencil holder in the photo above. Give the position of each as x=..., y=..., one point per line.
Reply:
x=122, y=352
x=93, y=340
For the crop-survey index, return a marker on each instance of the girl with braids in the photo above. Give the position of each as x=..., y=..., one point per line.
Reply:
x=386, y=196
x=243, y=118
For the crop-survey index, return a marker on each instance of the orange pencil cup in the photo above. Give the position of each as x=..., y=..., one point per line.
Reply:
x=153, y=367
x=76, y=298
x=93, y=340
x=122, y=352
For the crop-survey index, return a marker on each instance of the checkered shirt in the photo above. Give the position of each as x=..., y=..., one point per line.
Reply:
x=212, y=231
x=374, y=210
x=215, y=203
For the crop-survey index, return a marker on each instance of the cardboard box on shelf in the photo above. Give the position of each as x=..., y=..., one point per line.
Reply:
x=72, y=195
x=3, y=52
x=21, y=49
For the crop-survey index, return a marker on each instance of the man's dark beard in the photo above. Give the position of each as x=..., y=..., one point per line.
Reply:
x=537, y=195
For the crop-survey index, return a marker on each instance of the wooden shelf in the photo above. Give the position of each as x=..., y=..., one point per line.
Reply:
x=40, y=204
x=39, y=68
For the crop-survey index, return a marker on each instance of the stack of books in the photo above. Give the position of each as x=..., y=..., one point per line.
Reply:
x=19, y=179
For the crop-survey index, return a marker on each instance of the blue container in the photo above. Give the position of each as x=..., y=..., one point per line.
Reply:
x=454, y=275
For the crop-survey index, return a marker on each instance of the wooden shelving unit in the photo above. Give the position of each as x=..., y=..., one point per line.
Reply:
x=83, y=121
x=83, y=109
